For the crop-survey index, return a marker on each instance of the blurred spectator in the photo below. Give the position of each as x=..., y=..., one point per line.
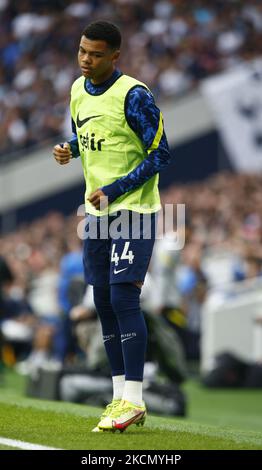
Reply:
x=71, y=288
x=5, y=278
x=34, y=253
x=192, y=283
x=16, y=318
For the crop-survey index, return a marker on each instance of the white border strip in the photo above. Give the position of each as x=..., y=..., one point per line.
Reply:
x=24, y=445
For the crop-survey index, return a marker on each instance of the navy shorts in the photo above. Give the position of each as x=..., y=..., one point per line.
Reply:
x=117, y=248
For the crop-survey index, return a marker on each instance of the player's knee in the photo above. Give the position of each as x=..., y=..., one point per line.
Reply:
x=138, y=284
x=101, y=298
x=125, y=298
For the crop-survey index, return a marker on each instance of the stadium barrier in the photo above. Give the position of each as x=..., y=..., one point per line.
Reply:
x=231, y=321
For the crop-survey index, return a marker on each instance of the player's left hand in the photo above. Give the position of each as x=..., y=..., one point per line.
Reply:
x=98, y=199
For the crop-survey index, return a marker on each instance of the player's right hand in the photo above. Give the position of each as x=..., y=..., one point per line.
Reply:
x=63, y=154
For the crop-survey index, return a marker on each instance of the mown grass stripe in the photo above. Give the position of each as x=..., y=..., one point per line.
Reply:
x=54, y=428
x=155, y=423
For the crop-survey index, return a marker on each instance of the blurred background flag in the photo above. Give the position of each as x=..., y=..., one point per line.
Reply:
x=235, y=98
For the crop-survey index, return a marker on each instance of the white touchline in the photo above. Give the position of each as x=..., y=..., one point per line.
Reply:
x=24, y=445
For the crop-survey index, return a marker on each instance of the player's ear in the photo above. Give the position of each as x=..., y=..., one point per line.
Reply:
x=115, y=55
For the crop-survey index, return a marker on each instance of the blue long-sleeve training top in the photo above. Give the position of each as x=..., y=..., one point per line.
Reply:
x=143, y=117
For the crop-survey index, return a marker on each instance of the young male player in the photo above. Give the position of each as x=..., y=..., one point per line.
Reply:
x=118, y=133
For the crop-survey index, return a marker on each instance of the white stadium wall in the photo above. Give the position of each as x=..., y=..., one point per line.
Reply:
x=231, y=321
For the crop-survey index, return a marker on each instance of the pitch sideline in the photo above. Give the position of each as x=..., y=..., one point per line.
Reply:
x=24, y=445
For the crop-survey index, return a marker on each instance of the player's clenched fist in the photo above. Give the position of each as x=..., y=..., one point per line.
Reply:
x=62, y=154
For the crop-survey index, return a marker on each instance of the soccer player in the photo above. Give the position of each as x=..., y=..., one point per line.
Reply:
x=118, y=133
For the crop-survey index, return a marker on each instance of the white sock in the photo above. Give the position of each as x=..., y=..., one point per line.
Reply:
x=118, y=386
x=133, y=392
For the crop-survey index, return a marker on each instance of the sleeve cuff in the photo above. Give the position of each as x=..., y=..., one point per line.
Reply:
x=74, y=148
x=112, y=191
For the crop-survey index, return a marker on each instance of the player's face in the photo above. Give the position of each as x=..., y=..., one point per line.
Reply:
x=96, y=59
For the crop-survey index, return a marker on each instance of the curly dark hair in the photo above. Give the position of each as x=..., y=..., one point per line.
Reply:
x=104, y=31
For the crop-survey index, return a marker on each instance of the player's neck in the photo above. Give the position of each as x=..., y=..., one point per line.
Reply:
x=103, y=78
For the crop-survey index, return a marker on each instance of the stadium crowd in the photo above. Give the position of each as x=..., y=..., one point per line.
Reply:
x=223, y=213
x=169, y=44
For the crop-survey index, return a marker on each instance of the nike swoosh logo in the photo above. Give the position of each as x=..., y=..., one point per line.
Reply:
x=81, y=122
x=119, y=271
x=122, y=340
x=124, y=424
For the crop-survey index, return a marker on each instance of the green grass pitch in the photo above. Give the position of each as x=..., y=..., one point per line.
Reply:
x=217, y=419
